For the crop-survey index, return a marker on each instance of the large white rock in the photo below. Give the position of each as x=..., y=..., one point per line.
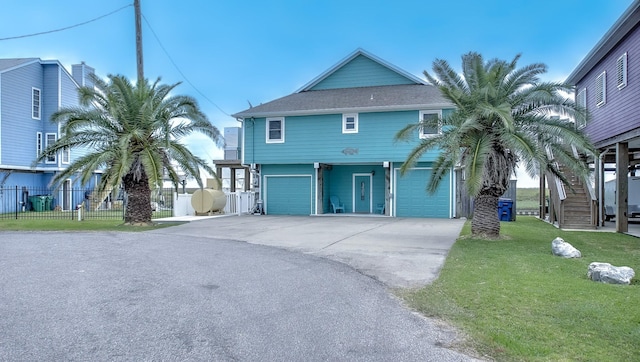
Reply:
x=561, y=248
x=607, y=273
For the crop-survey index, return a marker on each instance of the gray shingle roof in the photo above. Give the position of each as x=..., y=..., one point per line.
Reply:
x=10, y=63
x=365, y=99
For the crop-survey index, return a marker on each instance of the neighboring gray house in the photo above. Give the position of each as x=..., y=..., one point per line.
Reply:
x=31, y=90
x=607, y=82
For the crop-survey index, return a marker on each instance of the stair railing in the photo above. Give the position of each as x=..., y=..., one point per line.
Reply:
x=589, y=191
x=557, y=195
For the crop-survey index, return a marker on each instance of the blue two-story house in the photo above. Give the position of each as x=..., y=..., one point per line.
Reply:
x=333, y=139
x=607, y=83
x=31, y=90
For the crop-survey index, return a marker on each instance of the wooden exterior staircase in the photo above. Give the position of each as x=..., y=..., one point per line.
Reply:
x=572, y=207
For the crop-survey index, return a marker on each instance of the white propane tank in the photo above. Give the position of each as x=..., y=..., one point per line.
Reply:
x=208, y=200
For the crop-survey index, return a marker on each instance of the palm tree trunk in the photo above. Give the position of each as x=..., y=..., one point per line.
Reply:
x=138, y=210
x=485, y=221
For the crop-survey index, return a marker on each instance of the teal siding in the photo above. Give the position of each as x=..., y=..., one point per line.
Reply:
x=289, y=189
x=362, y=72
x=412, y=199
x=319, y=138
x=341, y=180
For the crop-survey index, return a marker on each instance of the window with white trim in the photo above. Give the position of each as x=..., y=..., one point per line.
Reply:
x=38, y=144
x=66, y=155
x=581, y=102
x=621, y=71
x=350, y=123
x=431, y=124
x=275, y=130
x=51, y=139
x=601, y=89
x=35, y=103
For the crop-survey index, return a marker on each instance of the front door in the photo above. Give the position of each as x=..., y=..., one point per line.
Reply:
x=362, y=193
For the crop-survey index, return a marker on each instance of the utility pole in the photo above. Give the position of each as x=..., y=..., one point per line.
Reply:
x=136, y=6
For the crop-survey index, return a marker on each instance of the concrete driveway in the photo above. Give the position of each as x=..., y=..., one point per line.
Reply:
x=399, y=252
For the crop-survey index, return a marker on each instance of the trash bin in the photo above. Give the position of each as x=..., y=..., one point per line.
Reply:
x=505, y=209
x=37, y=202
x=47, y=202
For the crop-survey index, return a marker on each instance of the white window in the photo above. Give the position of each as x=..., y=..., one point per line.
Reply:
x=275, y=130
x=38, y=144
x=601, y=89
x=51, y=139
x=35, y=103
x=350, y=123
x=581, y=101
x=621, y=71
x=66, y=155
x=431, y=124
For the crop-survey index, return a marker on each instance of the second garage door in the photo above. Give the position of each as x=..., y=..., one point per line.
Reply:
x=288, y=195
x=412, y=199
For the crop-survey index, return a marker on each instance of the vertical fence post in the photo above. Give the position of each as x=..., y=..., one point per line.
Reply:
x=17, y=204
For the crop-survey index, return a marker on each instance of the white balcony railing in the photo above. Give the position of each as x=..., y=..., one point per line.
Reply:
x=239, y=202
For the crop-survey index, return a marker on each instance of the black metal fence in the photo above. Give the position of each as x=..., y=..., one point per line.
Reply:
x=19, y=202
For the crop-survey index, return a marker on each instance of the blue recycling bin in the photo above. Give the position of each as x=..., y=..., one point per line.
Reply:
x=505, y=209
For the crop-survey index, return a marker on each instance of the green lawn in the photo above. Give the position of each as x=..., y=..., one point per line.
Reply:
x=527, y=199
x=518, y=302
x=73, y=225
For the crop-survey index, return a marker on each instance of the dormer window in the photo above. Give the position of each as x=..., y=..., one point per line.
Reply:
x=350, y=123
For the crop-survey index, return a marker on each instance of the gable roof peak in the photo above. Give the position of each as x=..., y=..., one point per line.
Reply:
x=359, y=52
x=12, y=63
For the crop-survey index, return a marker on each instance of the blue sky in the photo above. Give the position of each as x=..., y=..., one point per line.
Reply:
x=235, y=52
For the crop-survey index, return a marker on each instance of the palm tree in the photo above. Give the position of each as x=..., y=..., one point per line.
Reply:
x=132, y=133
x=503, y=116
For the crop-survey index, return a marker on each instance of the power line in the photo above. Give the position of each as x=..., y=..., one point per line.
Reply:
x=150, y=28
x=178, y=68
x=66, y=27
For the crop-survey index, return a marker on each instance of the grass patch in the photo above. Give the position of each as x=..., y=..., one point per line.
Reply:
x=528, y=198
x=516, y=301
x=74, y=225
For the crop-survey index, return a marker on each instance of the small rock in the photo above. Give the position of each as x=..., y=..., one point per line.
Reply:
x=561, y=248
x=607, y=273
